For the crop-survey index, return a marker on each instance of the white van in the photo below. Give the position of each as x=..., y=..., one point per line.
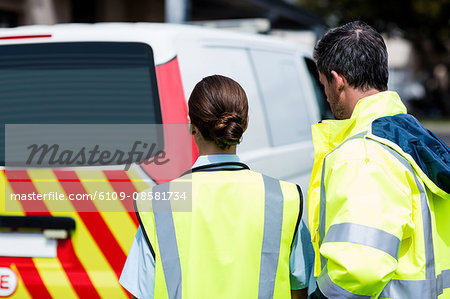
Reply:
x=121, y=73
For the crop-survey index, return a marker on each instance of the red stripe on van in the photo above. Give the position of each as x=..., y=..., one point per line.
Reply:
x=174, y=111
x=25, y=265
x=171, y=93
x=25, y=36
x=19, y=180
x=71, y=264
x=21, y=183
x=75, y=271
x=29, y=274
x=120, y=182
x=170, y=87
x=93, y=220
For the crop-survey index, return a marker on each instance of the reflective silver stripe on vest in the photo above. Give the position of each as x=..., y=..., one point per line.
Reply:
x=332, y=290
x=446, y=279
x=411, y=289
x=430, y=285
x=322, y=219
x=417, y=289
x=426, y=216
x=443, y=281
x=364, y=235
x=167, y=240
x=273, y=222
x=323, y=197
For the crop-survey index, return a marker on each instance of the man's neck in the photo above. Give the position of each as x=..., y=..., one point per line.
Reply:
x=354, y=95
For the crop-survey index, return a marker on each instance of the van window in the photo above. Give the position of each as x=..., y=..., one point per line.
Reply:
x=284, y=101
x=232, y=62
x=77, y=83
x=325, y=110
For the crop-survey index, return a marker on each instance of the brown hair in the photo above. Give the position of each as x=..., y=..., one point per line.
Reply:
x=218, y=107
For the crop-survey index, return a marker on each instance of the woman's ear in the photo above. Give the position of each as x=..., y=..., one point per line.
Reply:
x=192, y=129
x=246, y=125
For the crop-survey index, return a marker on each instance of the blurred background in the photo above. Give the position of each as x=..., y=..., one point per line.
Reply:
x=417, y=32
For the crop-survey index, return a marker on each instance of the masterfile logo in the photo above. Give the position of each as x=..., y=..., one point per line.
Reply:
x=57, y=156
x=94, y=167
x=74, y=145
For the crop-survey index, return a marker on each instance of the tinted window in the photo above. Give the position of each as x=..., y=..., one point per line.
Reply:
x=236, y=64
x=77, y=83
x=325, y=111
x=283, y=99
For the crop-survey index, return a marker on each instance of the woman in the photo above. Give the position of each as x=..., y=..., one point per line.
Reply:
x=242, y=238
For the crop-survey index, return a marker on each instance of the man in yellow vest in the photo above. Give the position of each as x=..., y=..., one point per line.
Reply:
x=378, y=201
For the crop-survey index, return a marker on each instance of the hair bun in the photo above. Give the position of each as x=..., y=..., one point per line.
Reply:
x=228, y=129
x=218, y=107
x=228, y=117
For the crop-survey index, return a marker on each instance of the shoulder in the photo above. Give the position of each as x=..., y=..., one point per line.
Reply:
x=367, y=156
x=292, y=191
x=353, y=148
x=421, y=148
x=271, y=183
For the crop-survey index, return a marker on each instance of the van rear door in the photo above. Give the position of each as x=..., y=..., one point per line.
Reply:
x=57, y=248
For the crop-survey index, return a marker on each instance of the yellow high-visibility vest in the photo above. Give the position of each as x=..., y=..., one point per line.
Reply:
x=233, y=241
x=379, y=205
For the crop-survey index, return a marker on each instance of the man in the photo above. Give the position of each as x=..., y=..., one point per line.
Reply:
x=379, y=201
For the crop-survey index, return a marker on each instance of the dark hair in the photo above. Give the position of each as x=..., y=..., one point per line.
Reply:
x=356, y=51
x=218, y=107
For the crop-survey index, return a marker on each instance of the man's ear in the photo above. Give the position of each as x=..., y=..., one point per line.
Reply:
x=339, y=79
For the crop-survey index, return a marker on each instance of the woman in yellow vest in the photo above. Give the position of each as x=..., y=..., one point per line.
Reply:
x=241, y=238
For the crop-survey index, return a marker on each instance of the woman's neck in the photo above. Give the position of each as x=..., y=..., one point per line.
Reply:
x=213, y=149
